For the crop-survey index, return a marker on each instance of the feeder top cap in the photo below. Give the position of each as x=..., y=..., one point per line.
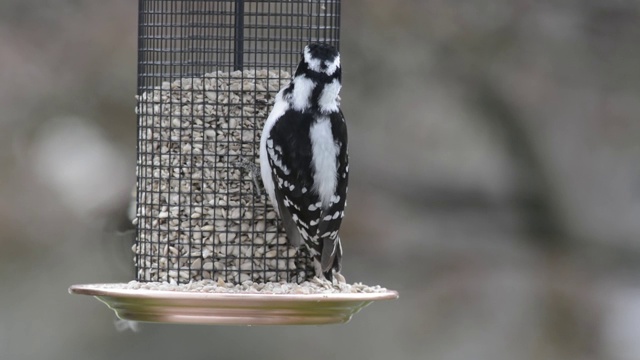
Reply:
x=322, y=58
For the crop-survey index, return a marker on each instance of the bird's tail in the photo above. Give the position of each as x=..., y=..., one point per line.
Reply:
x=331, y=257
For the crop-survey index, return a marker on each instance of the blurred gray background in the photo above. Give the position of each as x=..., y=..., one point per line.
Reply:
x=495, y=183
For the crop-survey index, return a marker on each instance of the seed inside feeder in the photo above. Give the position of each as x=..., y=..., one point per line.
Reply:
x=314, y=286
x=201, y=211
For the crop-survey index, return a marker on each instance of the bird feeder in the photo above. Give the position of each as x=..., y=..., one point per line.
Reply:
x=209, y=246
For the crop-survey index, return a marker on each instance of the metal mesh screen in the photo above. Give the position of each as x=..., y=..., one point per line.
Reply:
x=208, y=72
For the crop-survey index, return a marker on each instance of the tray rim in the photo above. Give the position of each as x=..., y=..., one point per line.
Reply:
x=97, y=289
x=206, y=308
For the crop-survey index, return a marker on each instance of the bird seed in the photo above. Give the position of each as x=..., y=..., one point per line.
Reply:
x=313, y=286
x=202, y=213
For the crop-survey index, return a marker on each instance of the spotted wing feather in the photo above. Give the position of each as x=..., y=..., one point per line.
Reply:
x=292, y=176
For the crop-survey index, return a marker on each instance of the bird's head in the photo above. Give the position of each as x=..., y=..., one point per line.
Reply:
x=320, y=59
x=317, y=80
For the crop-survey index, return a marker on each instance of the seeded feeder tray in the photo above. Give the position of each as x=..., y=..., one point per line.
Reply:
x=175, y=304
x=209, y=247
x=259, y=261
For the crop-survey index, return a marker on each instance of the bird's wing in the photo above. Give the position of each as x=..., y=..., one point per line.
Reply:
x=292, y=177
x=289, y=225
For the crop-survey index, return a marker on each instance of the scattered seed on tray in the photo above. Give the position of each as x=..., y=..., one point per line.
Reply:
x=313, y=286
x=202, y=214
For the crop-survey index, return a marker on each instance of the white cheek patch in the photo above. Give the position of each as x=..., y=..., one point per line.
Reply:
x=301, y=96
x=314, y=64
x=328, y=101
x=332, y=66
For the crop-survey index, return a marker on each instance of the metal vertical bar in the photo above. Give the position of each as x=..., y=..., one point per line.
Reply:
x=337, y=12
x=139, y=85
x=239, y=35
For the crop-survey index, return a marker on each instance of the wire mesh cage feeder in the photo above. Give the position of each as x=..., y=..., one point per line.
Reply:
x=209, y=247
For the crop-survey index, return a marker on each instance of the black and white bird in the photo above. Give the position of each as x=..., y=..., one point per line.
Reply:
x=304, y=160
